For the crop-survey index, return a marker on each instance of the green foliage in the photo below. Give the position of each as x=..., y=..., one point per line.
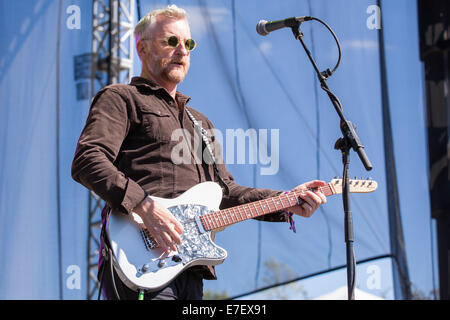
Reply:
x=213, y=295
x=276, y=272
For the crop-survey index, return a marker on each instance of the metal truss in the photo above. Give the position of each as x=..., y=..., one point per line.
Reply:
x=112, y=62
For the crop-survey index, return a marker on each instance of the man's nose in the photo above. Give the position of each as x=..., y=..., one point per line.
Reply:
x=181, y=48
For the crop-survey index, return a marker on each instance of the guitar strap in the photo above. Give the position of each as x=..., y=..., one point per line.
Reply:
x=204, y=134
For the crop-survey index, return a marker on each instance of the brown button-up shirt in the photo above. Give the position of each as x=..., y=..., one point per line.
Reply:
x=125, y=149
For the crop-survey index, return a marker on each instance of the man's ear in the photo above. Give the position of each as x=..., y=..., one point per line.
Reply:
x=141, y=49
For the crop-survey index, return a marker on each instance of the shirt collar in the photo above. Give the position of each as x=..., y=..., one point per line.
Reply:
x=144, y=82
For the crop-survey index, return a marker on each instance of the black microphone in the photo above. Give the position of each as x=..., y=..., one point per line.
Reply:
x=265, y=27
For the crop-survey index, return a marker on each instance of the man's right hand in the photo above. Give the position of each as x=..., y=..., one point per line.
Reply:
x=160, y=223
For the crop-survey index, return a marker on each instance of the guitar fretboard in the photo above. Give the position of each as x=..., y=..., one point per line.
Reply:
x=226, y=217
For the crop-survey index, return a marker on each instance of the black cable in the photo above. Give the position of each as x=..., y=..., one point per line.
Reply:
x=101, y=280
x=337, y=43
x=112, y=274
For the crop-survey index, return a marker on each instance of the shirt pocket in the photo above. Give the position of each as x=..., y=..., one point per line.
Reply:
x=156, y=125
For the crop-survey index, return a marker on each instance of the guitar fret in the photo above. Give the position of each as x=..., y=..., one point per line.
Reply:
x=281, y=202
x=246, y=207
x=211, y=226
x=275, y=204
x=268, y=206
x=240, y=214
x=234, y=215
x=328, y=190
x=228, y=216
x=208, y=218
x=289, y=200
x=262, y=208
x=298, y=200
x=218, y=216
x=202, y=219
x=256, y=210
x=214, y=220
x=224, y=217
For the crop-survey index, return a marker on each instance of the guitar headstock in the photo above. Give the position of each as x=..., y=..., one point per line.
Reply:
x=355, y=185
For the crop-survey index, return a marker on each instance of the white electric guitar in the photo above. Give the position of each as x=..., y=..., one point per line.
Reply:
x=142, y=265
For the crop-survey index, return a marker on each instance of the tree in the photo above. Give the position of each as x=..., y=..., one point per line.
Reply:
x=276, y=272
x=209, y=294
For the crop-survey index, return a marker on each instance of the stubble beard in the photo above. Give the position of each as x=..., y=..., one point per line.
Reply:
x=167, y=72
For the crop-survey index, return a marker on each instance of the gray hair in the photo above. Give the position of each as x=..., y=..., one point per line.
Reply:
x=171, y=11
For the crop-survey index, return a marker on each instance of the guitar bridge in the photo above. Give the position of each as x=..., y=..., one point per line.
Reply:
x=149, y=242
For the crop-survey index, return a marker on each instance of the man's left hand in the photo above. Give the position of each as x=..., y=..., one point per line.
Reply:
x=311, y=199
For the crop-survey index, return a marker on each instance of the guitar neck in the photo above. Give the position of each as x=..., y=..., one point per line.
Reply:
x=219, y=219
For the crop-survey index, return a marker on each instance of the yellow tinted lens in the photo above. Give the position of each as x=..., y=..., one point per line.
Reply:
x=190, y=44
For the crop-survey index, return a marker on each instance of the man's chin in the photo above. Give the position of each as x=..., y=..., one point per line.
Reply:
x=175, y=76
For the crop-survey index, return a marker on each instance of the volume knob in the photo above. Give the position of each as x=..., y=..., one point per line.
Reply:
x=145, y=267
x=161, y=263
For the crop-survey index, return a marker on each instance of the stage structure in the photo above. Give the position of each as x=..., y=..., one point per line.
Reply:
x=112, y=62
x=434, y=35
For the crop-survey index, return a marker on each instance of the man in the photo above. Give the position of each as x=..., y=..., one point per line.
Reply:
x=124, y=153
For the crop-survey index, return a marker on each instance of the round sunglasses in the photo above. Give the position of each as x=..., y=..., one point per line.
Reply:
x=173, y=42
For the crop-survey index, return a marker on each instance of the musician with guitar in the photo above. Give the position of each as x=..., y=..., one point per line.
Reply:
x=160, y=217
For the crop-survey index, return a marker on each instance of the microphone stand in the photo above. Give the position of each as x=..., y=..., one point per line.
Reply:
x=349, y=140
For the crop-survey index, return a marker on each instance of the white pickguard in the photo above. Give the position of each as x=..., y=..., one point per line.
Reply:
x=197, y=248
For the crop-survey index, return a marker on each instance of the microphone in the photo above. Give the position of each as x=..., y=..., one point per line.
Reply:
x=265, y=27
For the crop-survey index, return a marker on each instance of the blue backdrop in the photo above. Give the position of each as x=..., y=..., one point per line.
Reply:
x=240, y=80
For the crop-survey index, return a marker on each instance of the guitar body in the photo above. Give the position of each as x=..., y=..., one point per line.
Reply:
x=141, y=264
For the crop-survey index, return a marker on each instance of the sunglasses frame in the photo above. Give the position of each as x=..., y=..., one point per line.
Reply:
x=187, y=43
